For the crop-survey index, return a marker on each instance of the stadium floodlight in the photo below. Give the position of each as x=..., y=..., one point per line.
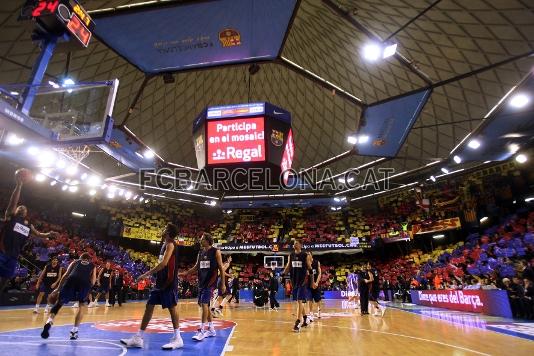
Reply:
x=457, y=159
x=73, y=189
x=445, y=170
x=148, y=154
x=92, y=192
x=519, y=101
x=363, y=139
x=72, y=169
x=474, y=144
x=93, y=180
x=484, y=219
x=513, y=148
x=352, y=140
x=64, y=187
x=13, y=140
x=433, y=179
x=521, y=158
x=439, y=236
x=52, y=183
x=40, y=177
x=389, y=51
x=32, y=150
x=372, y=52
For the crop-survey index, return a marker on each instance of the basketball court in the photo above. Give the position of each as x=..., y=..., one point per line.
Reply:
x=245, y=330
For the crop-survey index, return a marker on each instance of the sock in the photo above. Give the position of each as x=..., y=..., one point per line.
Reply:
x=140, y=333
x=107, y=301
x=177, y=333
x=36, y=306
x=50, y=320
x=210, y=325
x=74, y=329
x=202, y=326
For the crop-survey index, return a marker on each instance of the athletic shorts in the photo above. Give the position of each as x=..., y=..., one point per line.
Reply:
x=314, y=294
x=103, y=288
x=373, y=294
x=165, y=297
x=204, y=295
x=72, y=291
x=43, y=288
x=300, y=293
x=7, y=266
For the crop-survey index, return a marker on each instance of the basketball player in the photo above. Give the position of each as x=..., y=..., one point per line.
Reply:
x=15, y=231
x=47, y=282
x=298, y=265
x=222, y=298
x=165, y=293
x=74, y=285
x=364, y=279
x=209, y=263
x=314, y=292
x=374, y=291
x=103, y=284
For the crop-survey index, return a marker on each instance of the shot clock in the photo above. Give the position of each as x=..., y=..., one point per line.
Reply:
x=59, y=16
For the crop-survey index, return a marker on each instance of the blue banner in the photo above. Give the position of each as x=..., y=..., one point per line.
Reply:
x=201, y=34
x=386, y=125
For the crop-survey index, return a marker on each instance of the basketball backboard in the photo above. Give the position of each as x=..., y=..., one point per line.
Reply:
x=273, y=262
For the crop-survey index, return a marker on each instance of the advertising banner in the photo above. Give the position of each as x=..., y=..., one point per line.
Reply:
x=440, y=225
x=236, y=141
x=490, y=302
x=268, y=247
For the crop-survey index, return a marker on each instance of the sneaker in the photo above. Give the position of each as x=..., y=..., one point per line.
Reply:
x=210, y=332
x=175, y=343
x=92, y=305
x=46, y=331
x=73, y=335
x=76, y=305
x=47, y=309
x=305, y=322
x=310, y=318
x=199, y=336
x=108, y=305
x=296, y=328
x=35, y=310
x=134, y=341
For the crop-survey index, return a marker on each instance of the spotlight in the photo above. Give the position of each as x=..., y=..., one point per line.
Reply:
x=111, y=195
x=484, y=219
x=363, y=139
x=73, y=189
x=128, y=195
x=352, y=140
x=372, y=52
x=521, y=158
x=474, y=144
x=121, y=192
x=32, y=151
x=53, y=84
x=519, y=100
x=92, y=192
x=47, y=158
x=141, y=199
x=148, y=154
x=68, y=82
x=439, y=236
x=14, y=140
x=433, y=179
x=84, y=176
x=457, y=159
x=14, y=93
x=389, y=51
x=93, y=181
x=64, y=187
x=190, y=187
x=213, y=203
x=513, y=148
x=52, y=183
x=61, y=164
x=445, y=170
x=72, y=170
x=40, y=177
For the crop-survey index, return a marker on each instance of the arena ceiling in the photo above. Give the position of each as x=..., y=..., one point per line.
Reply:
x=437, y=40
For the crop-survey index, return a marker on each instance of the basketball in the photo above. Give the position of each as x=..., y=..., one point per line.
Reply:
x=23, y=175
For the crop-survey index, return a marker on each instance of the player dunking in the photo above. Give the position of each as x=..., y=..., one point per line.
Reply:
x=222, y=298
x=47, y=282
x=298, y=265
x=209, y=263
x=165, y=292
x=74, y=285
x=103, y=284
x=314, y=291
x=15, y=231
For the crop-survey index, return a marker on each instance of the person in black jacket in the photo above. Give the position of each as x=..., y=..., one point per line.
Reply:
x=273, y=289
x=117, y=287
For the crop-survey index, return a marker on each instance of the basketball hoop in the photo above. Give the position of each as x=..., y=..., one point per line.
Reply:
x=76, y=153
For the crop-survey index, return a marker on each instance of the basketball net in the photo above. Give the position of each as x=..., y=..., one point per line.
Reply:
x=76, y=153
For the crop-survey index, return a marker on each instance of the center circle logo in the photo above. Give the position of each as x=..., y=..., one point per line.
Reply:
x=159, y=325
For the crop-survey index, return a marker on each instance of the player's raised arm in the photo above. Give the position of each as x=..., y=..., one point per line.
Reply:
x=13, y=200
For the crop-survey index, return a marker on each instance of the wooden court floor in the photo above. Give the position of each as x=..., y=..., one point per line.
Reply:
x=259, y=332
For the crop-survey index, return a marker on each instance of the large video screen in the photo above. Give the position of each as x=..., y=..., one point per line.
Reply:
x=236, y=140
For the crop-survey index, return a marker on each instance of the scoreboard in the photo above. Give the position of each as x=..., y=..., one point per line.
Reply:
x=58, y=17
x=241, y=136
